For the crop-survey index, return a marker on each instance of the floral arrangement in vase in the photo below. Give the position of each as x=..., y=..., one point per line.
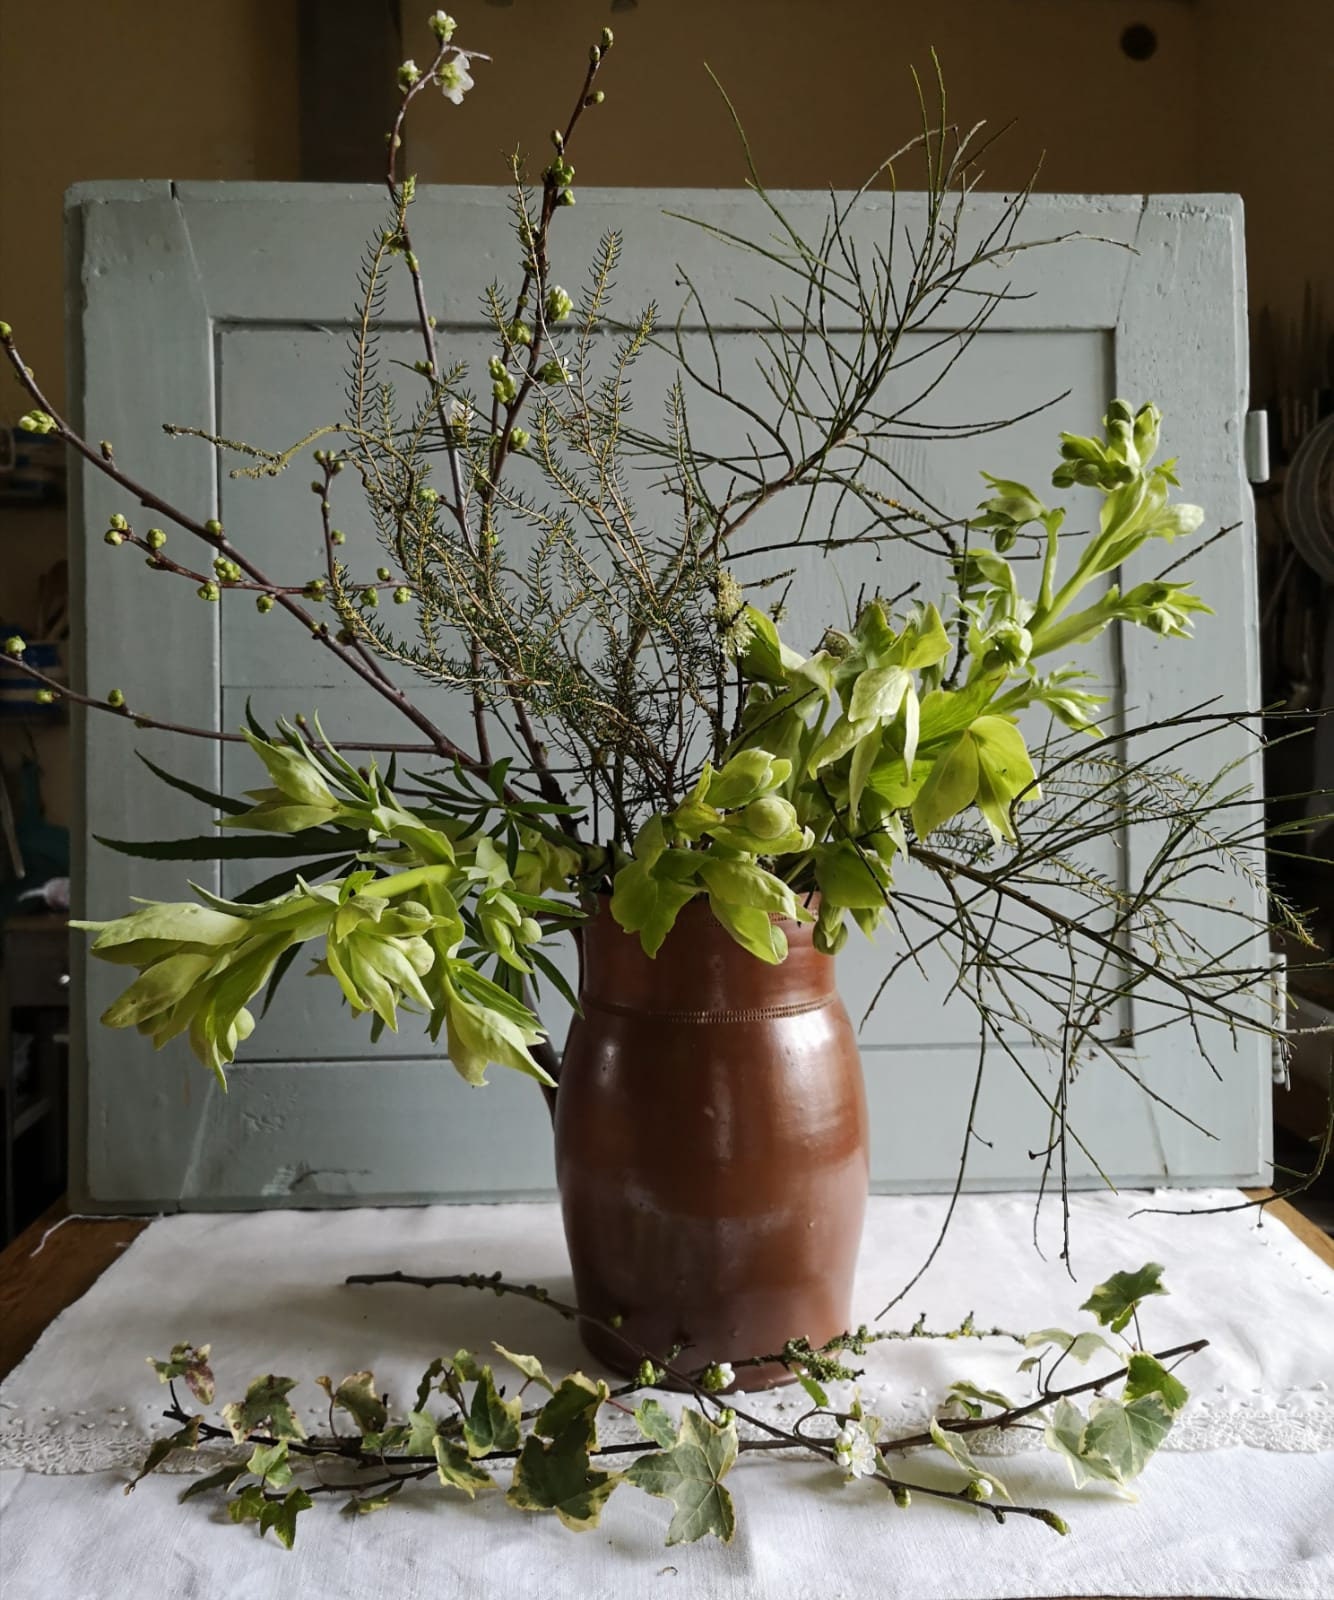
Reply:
x=707, y=808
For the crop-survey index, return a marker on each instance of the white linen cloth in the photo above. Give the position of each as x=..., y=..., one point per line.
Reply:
x=1240, y=1505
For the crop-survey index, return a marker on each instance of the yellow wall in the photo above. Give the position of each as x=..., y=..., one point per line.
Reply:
x=1236, y=97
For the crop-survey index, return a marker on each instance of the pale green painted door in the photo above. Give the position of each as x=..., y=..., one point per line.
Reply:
x=227, y=307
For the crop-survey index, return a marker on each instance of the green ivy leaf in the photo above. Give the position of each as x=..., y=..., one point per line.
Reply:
x=492, y=1423
x=186, y=1438
x=530, y=1366
x=1113, y=1303
x=281, y=1516
x=655, y=1422
x=265, y=1404
x=248, y=1506
x=690, y=1475
x=957, y=1451
x=1147, y=1376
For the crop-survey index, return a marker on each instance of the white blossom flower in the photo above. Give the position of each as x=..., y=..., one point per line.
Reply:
x=442, y=25
x=454, y=79
x=718, y=1377
x=854, y=1450
x=408, y=74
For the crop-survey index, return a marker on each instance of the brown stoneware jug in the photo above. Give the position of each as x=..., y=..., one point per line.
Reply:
x=711, y=1146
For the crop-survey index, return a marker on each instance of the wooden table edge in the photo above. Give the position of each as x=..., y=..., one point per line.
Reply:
x=42, y=1272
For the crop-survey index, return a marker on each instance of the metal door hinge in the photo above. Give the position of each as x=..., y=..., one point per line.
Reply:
x=1257, y=446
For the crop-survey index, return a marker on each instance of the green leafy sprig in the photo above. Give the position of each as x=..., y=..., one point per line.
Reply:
x=557, y=1466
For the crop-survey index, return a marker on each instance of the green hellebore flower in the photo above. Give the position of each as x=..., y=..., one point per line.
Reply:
x=747, y=776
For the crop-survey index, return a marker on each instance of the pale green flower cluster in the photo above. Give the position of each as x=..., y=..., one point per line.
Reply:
x=392, y=932
x=877, y=734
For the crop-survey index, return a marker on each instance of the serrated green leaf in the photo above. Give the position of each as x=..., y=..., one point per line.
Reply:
x=492, y=1423
x=1145, y=1376
x=530, y=1366
x=655, y=1422
x=957, y=1451
x=265, y=1405
x=186, y=1438
x=690, y=1475
x=1113, y=1303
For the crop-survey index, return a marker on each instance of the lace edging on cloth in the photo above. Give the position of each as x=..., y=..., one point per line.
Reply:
x=1298, y=1421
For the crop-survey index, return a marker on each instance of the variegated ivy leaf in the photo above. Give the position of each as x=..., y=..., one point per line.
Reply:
x=530, y=1366
x=690, y=1474
x=186, y=1438
x=492, y=1423
x=957, y=1451
x=1147, y=1376
x=1113, y=1443
x=559, y=1476
x=185, y=1361
x=1126, y=1435
x=576, y=1400
x=456, y=1470
x=1115, y=1302
x=1079, y=1346
x=422, y=1428
x=969, y=1395
x=223, y=1478
x=655, y=1422
x=281, y=1516
x=357, y=1396
x=269, y=1462
x=363, y=1505
x=265, y=1406
x=428, y=1382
